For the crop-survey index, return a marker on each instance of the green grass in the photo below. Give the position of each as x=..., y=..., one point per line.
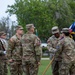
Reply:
x=42, y=67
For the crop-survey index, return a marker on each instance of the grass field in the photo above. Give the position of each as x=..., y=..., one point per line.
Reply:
x=42, y=67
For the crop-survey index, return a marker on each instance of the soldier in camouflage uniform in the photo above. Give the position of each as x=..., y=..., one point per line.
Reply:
x=14, y=52
x=66, y=47
x=31, y=51
x=3, y=48
x=52, y=42
x=72, y=70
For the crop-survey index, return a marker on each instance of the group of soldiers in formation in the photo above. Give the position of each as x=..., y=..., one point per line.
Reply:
x=22, y=52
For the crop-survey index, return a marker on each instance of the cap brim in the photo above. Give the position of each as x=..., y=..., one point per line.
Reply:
x=55, y=32
x=33, y=26
x=4, y=34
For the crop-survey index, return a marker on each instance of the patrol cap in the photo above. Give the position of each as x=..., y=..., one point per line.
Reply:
x=2, y=33
x=55, y=29
x=19, y=27
x=28, y=26
x=65, y=30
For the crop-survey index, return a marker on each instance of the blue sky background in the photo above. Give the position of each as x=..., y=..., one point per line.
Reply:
x=3, y=8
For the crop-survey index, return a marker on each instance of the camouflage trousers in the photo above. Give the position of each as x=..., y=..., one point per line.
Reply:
x=3, y=67
x=72, y=70
x=16, y=68
x=67, y=69
x=55, y=67
x=30, y=68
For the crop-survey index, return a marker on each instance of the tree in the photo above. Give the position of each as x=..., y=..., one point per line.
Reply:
x=44, y=14
x=8, y=26
x=72, y=5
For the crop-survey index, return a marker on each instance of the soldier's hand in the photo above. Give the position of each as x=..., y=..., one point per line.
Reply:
x=39, y=63
x=10, y=60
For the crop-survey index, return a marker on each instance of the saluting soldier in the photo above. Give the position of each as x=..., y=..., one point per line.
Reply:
x=31, y=51
x=14, y=52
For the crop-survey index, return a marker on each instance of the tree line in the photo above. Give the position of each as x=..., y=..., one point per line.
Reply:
x=44, y=14
x=7, y=26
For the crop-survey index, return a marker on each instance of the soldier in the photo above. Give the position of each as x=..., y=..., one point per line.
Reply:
x=31, y=51
x=66, y=47
x=52, y=42
x=72, y=70
x=3, y=48
x=14, y=52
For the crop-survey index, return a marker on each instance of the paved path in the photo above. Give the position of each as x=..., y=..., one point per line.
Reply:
x=44, y=58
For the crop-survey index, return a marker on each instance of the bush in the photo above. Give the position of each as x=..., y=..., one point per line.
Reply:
x=45, y=52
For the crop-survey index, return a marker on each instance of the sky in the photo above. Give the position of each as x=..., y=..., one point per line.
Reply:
x=3, y=8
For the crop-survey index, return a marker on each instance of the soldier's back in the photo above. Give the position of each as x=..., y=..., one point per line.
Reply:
x=28, y=44
x=68, y=49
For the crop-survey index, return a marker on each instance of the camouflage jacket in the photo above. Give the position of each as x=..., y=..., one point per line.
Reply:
x=52, y=42
x=2, y=50
x=31, y=47
x=14, y=48
x=66, y=47
x=4, y=43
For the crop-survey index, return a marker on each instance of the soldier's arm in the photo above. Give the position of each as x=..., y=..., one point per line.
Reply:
x=11, y=45
x=2, y=49
x=59, y=48
x=38, y=49
x=50, y=47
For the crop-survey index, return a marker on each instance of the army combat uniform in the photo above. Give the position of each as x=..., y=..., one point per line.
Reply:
x=3, y=62
x=31, y=52
x=14, y=52
x=52, y=42
x=66, y=46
